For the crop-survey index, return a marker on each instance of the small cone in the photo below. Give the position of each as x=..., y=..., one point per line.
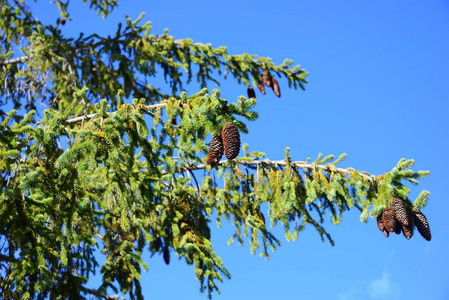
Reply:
x=261, y=87
x=389, y=219
x=231, y=140
x=276, y=88
x=422, y=224
x=251, y=92
x=400, y=211
x=407, y=230
x=215, y=151
x=166, y=256
x=267, y=79
x=381, y=226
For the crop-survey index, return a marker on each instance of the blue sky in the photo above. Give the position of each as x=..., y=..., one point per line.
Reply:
x=378, y=91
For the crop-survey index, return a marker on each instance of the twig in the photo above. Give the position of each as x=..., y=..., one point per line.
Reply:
x=79, y=119
x=91, y=116
x=196, y=181
x=13, y=61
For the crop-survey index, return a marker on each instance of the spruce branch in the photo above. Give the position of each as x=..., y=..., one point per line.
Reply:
x=24, y=58
x=91, y=116
x=105, y=42
x=275, y=163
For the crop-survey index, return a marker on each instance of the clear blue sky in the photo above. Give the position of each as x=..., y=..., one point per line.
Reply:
x=378, y=90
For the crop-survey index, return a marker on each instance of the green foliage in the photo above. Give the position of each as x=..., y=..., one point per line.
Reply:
x=118, y=182
x=96, y=174
x=126, y=61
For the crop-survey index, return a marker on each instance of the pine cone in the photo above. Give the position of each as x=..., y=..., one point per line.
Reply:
x=389, y=219
x=381, y=226
x=408, y=230
x=261, y=87
x=157, y=244
x=231, y=140
x=400, y=211
x=215, y=151
x=266, y=78
x=166, y=256
x=251, y=92
x=422, y=224
x=276, y=88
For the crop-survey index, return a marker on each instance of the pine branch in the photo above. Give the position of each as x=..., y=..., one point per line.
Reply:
x=22, y=59
x=275, y=163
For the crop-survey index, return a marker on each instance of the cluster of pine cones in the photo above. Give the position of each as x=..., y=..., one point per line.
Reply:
x=228, y=142
x=268, y=81
x=398, y=219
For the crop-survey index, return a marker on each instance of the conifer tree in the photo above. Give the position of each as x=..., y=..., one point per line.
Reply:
x=111, y=164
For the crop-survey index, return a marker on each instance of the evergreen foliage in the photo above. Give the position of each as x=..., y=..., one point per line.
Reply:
x=98, y=174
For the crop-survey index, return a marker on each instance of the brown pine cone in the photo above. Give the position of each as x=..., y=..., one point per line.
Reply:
x=389, y=219
x=157, y=244
x=231, y=140
x=400, y=211
x=276, y=88
x=215, y=151
x=261, y=87
x=251, y=92
x=381, y=226
x=266, y=78
x=422, y=224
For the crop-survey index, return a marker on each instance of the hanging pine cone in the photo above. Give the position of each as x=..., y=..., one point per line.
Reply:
x=381, y=226
x=400, y=211
x=389, y=219
x=422, y=224
x=215, y=151
x=276, y=88
x=166, y=256
x=266, y=78
x=251, y=92
x=231, y=140
x=261, y=87
x=408, y=230
x=157, y=244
